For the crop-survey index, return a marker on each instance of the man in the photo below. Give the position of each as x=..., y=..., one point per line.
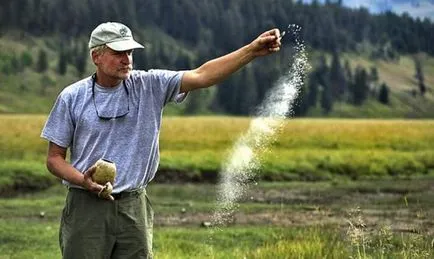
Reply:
x=115, y=114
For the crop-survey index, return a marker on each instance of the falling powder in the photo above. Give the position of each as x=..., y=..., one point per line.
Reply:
x=239, y=169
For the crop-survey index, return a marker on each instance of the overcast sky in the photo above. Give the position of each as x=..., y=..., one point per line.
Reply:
x=416, y=8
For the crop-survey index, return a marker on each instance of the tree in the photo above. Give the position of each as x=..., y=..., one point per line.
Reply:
x=312, y=93
x=360, y=87
x=322, y=74
x=141, y=59
x=63, y=62
x=348, y=72
x=300, y=105
x=337, y=77
x=326, y=99
x=373, y=75
x=81, y=56
x=247, y=92
x=419, y=75
x=383, y=96
x=183, y=61
x=26, y=59
x=16, y=66
x=42, y=63
x=200, y=101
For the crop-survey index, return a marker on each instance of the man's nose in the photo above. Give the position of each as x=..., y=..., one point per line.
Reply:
x=126, y=58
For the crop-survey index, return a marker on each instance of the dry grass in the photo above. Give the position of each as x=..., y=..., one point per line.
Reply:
x=312, y=148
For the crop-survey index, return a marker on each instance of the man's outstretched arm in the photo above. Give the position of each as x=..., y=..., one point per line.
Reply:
x=217, y=70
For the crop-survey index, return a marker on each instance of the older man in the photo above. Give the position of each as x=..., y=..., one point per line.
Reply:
x=115, y=114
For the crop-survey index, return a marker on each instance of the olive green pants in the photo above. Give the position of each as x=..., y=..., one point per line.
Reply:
x=95, y=228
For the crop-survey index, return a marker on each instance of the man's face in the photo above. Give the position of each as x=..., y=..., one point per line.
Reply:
x=114, y=64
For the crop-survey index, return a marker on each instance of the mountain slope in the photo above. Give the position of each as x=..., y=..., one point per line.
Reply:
x=42, y=52
x=32, y=92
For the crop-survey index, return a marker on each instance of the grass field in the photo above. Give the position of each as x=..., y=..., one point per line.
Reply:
x=363, y=219
x=194, y=148
x=370, y=192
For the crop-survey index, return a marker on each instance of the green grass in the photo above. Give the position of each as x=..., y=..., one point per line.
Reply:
x=40, y=242
x=23, y=176
x=394, y=227
x=249, y=242
x=196, y=148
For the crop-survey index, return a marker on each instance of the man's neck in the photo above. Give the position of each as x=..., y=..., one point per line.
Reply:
x=106, y=81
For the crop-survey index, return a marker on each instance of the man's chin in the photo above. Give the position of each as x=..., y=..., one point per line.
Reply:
x=124, y=74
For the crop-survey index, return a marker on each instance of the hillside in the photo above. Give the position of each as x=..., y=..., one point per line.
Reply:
x=39, y=57
x=33, y=92
x=399, y=76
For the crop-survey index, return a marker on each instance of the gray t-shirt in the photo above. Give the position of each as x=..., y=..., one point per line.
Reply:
x=131, y=141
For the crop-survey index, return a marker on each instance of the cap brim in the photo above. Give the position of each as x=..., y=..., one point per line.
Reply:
x=124, y=45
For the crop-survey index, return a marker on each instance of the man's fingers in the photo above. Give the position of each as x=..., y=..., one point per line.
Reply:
x=273, y=32
x=271, y=38
x=89, y=172
x=274, y=46
x=267, y=39
x=95, y=188
x=276, y=32
x=103, y=195
x=274, y=49
x=106, y=192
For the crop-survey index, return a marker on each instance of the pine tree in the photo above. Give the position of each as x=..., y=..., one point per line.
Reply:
x=348, y=71
x=247, y=92
x=300, y=105
x=42, y=63
x=81, y=55
x=326, y=99
x=419, y=76
x=63, y=62
x=141, y=59
x=323, y=78
x=383, y=96
x=312, y=93
x=361, y=87
x=337, y=77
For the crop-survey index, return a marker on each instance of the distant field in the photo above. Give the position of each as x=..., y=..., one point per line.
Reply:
x=194, y=148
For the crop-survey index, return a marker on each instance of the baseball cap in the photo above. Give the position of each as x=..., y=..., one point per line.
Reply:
x=116, y=36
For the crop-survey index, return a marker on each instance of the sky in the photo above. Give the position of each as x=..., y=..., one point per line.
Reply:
x=416, y=8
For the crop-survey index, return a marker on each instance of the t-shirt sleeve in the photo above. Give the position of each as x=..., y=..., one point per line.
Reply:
x=59, y=125
x=169, y=85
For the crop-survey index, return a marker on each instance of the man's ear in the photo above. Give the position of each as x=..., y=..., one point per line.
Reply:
x=96, y=56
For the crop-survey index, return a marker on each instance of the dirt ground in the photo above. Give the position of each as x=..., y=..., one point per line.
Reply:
x=400, y=209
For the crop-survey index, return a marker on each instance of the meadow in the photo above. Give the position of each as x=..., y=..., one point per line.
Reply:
x=194, y=148
x=363, y=219
x=325, y=189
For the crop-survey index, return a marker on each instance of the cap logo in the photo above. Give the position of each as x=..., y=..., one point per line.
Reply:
x=123, y=31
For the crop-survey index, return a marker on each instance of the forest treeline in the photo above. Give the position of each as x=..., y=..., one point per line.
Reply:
x=188, y=32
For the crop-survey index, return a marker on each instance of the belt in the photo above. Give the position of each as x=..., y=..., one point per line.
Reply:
x=125, y=194
x=116, y=196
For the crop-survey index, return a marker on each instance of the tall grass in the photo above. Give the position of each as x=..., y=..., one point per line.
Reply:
x=307, y=148
x=312, y=149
